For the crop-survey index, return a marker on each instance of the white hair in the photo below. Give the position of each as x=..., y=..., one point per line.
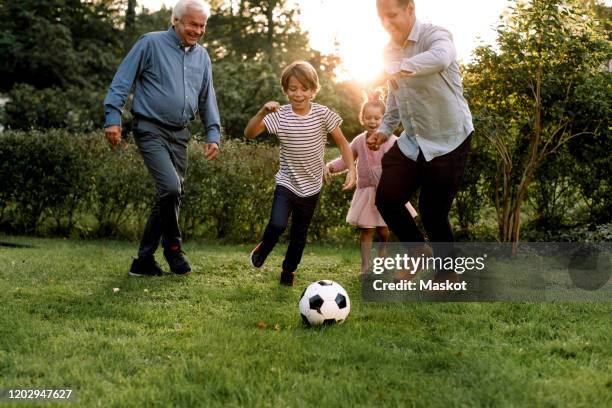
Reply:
x=182, y=6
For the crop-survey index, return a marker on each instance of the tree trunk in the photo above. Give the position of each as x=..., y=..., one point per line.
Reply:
x=130, y=22
x=270, y=27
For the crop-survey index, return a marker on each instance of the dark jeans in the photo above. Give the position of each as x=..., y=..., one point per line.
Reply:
x=438, y=179
x=301, y=209
x=164, y=152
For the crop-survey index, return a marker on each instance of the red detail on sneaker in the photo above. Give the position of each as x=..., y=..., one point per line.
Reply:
x=175, y=248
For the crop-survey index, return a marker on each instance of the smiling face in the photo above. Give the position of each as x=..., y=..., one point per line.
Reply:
x=372, y=117
x=299, y=95
x=397, y=18
x=191, y=27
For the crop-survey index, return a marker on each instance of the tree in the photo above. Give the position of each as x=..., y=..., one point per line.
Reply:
x=522, y=90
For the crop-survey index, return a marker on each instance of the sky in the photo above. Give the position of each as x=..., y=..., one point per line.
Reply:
x=352, y=28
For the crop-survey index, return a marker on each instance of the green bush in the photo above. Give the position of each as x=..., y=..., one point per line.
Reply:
x=58, y=183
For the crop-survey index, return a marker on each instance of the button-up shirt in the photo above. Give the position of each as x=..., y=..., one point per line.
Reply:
x=430, y=102
x=171, y=83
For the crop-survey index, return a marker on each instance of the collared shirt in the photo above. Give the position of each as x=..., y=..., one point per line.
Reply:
x=429, y=103
x=171, y=83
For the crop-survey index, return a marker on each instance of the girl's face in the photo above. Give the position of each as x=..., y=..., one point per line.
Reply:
x=299, y=95
x=372, y=117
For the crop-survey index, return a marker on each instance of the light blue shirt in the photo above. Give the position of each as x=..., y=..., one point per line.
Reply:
x=430, y=103
x=171, y=83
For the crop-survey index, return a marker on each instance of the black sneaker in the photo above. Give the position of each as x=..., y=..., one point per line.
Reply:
x=257, y=260
x=176, y=260
x=145, y=266
x=286, y=278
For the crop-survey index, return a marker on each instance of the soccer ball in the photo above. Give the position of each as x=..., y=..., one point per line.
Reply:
x=324, y=302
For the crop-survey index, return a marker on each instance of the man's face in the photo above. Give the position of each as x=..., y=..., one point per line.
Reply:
x=396, y=19
x=190, y=28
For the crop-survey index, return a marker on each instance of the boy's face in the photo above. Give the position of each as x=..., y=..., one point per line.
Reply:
x=299, y=95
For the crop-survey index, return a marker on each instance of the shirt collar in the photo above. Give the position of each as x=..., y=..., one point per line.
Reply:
x=177, y=40
x=414, y=35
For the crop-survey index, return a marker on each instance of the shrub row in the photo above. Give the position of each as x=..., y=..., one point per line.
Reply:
x=60, y=183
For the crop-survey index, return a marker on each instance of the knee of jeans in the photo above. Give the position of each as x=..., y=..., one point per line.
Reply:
x=278, y=227
x=171, y=190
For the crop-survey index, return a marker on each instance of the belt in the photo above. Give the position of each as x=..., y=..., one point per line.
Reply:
x=158, y=123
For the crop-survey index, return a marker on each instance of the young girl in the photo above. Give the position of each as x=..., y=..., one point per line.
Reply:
x=363, y=213
x=301, y=127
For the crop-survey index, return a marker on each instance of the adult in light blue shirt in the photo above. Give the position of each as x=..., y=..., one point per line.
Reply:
x=172, y=79
x=426, y=97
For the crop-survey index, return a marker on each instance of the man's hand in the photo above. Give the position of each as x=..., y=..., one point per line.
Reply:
x=113, y=135
x=210, y=151
x=270, y=107
x=375, y=140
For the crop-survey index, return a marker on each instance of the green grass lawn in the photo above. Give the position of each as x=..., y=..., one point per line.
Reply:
x=231, y=336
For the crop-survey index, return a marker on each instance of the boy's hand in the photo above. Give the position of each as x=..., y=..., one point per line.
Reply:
x=327, y=175
x=351, y=179
x=270, y=107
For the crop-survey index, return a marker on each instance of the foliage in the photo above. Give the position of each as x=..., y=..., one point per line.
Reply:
x=72, y=108
x=522, y=92
x=59, y=43
x=75, y=185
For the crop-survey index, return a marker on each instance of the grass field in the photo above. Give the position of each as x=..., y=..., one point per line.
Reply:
x=230, y=336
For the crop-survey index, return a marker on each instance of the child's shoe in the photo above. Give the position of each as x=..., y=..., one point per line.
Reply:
x=286, y=278
x=257, y=260
x=176, y=260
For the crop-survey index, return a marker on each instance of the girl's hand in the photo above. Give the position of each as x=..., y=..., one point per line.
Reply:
x=270, y=107
x=351, y=179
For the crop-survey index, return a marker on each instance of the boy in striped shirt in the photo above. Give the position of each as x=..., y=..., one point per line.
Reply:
x=302, y=128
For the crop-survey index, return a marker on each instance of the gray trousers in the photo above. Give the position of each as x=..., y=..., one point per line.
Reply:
x=164, y=152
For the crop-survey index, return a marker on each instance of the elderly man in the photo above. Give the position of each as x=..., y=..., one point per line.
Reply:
x=172, y=79
x=426, y=96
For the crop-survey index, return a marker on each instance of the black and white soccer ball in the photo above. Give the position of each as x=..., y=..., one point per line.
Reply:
x=324, y=302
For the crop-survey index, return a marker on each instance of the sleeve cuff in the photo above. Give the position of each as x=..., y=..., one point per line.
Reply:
x=385, y=131
x=392, y=68
x=213, y=136
x=113, y=117
x=406, y=65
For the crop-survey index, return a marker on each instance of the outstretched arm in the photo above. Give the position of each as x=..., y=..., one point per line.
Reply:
x=347, y=157
x=256, y=125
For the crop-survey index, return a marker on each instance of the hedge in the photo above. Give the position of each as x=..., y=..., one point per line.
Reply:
x=61, y=183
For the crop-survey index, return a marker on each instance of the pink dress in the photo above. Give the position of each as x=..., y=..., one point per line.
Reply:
x=363, y=212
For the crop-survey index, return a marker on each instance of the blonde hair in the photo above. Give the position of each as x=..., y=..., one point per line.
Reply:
x=303, y=72
x=373, y=99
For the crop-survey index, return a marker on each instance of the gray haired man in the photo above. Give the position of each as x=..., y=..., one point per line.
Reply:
x=172, y=79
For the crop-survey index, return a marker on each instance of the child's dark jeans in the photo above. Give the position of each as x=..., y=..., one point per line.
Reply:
x=286, y=204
